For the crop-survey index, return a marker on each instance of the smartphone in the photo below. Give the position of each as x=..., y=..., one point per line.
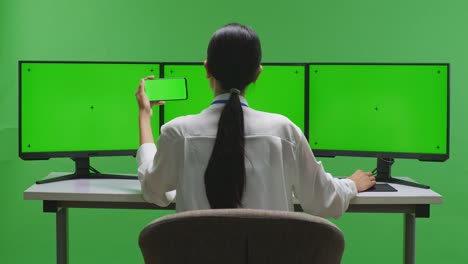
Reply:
x=166, y=89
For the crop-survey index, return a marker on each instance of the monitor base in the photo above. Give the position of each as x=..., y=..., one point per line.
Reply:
x=82, y=171
x=402, y=182
x=75, y=176
x=384, y=174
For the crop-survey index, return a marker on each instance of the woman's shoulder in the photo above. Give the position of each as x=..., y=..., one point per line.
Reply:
x=179, y=123
x=270, y=117
x=274, y=124
x=188, y=125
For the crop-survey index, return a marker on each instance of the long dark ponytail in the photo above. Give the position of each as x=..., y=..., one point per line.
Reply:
x=234, y=55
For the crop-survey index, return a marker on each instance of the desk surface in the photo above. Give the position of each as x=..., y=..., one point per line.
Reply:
x=115, y=190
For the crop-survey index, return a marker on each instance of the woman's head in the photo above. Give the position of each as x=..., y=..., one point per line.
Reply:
x=234, y=55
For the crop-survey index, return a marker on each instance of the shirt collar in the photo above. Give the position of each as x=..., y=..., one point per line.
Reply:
x=225, y=97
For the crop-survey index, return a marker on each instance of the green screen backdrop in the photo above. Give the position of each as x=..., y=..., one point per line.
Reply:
x=398, y=31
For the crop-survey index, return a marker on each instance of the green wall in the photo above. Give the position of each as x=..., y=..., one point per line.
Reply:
x=179, y=30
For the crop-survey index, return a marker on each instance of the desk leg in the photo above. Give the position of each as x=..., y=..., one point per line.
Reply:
x=410, y=238
x=62, y=236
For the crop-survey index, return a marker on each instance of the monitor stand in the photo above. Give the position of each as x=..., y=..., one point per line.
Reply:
x=82, y=171
x=383, y=174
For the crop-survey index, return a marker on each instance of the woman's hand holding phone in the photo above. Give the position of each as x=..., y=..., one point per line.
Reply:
x=144, y=104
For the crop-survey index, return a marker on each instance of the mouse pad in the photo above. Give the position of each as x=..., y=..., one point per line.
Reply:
x=382, y=187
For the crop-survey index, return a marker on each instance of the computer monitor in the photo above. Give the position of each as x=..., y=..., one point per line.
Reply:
x=385, y=111
x=80, y=110
x=279, y=89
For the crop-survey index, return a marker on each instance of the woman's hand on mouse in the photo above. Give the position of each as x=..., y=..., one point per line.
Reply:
x=363, y=180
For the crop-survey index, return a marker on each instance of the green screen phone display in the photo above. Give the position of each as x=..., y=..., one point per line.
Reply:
x=69, y=107
x=279, y=89
x=379, y=108
x=166, y=89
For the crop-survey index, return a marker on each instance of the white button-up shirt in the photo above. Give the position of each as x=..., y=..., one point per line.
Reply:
x=279, y=165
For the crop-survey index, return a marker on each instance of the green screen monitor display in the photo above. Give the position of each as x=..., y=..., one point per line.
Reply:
x=380, y=110
x=80, y=109
x=280, y=89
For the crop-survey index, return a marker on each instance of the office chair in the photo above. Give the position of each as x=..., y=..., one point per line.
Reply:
x=241, y=236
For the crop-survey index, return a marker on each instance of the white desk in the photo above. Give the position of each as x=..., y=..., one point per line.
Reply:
x=57, y=197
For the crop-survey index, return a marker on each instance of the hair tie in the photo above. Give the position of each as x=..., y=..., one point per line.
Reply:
x=235, y=91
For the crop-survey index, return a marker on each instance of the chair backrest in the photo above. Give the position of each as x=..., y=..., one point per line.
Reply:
x=241, y=236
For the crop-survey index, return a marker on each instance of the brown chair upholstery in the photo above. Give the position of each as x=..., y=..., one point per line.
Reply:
x=239, y=236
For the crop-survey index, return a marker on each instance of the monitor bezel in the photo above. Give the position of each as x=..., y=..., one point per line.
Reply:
x=382, y=154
